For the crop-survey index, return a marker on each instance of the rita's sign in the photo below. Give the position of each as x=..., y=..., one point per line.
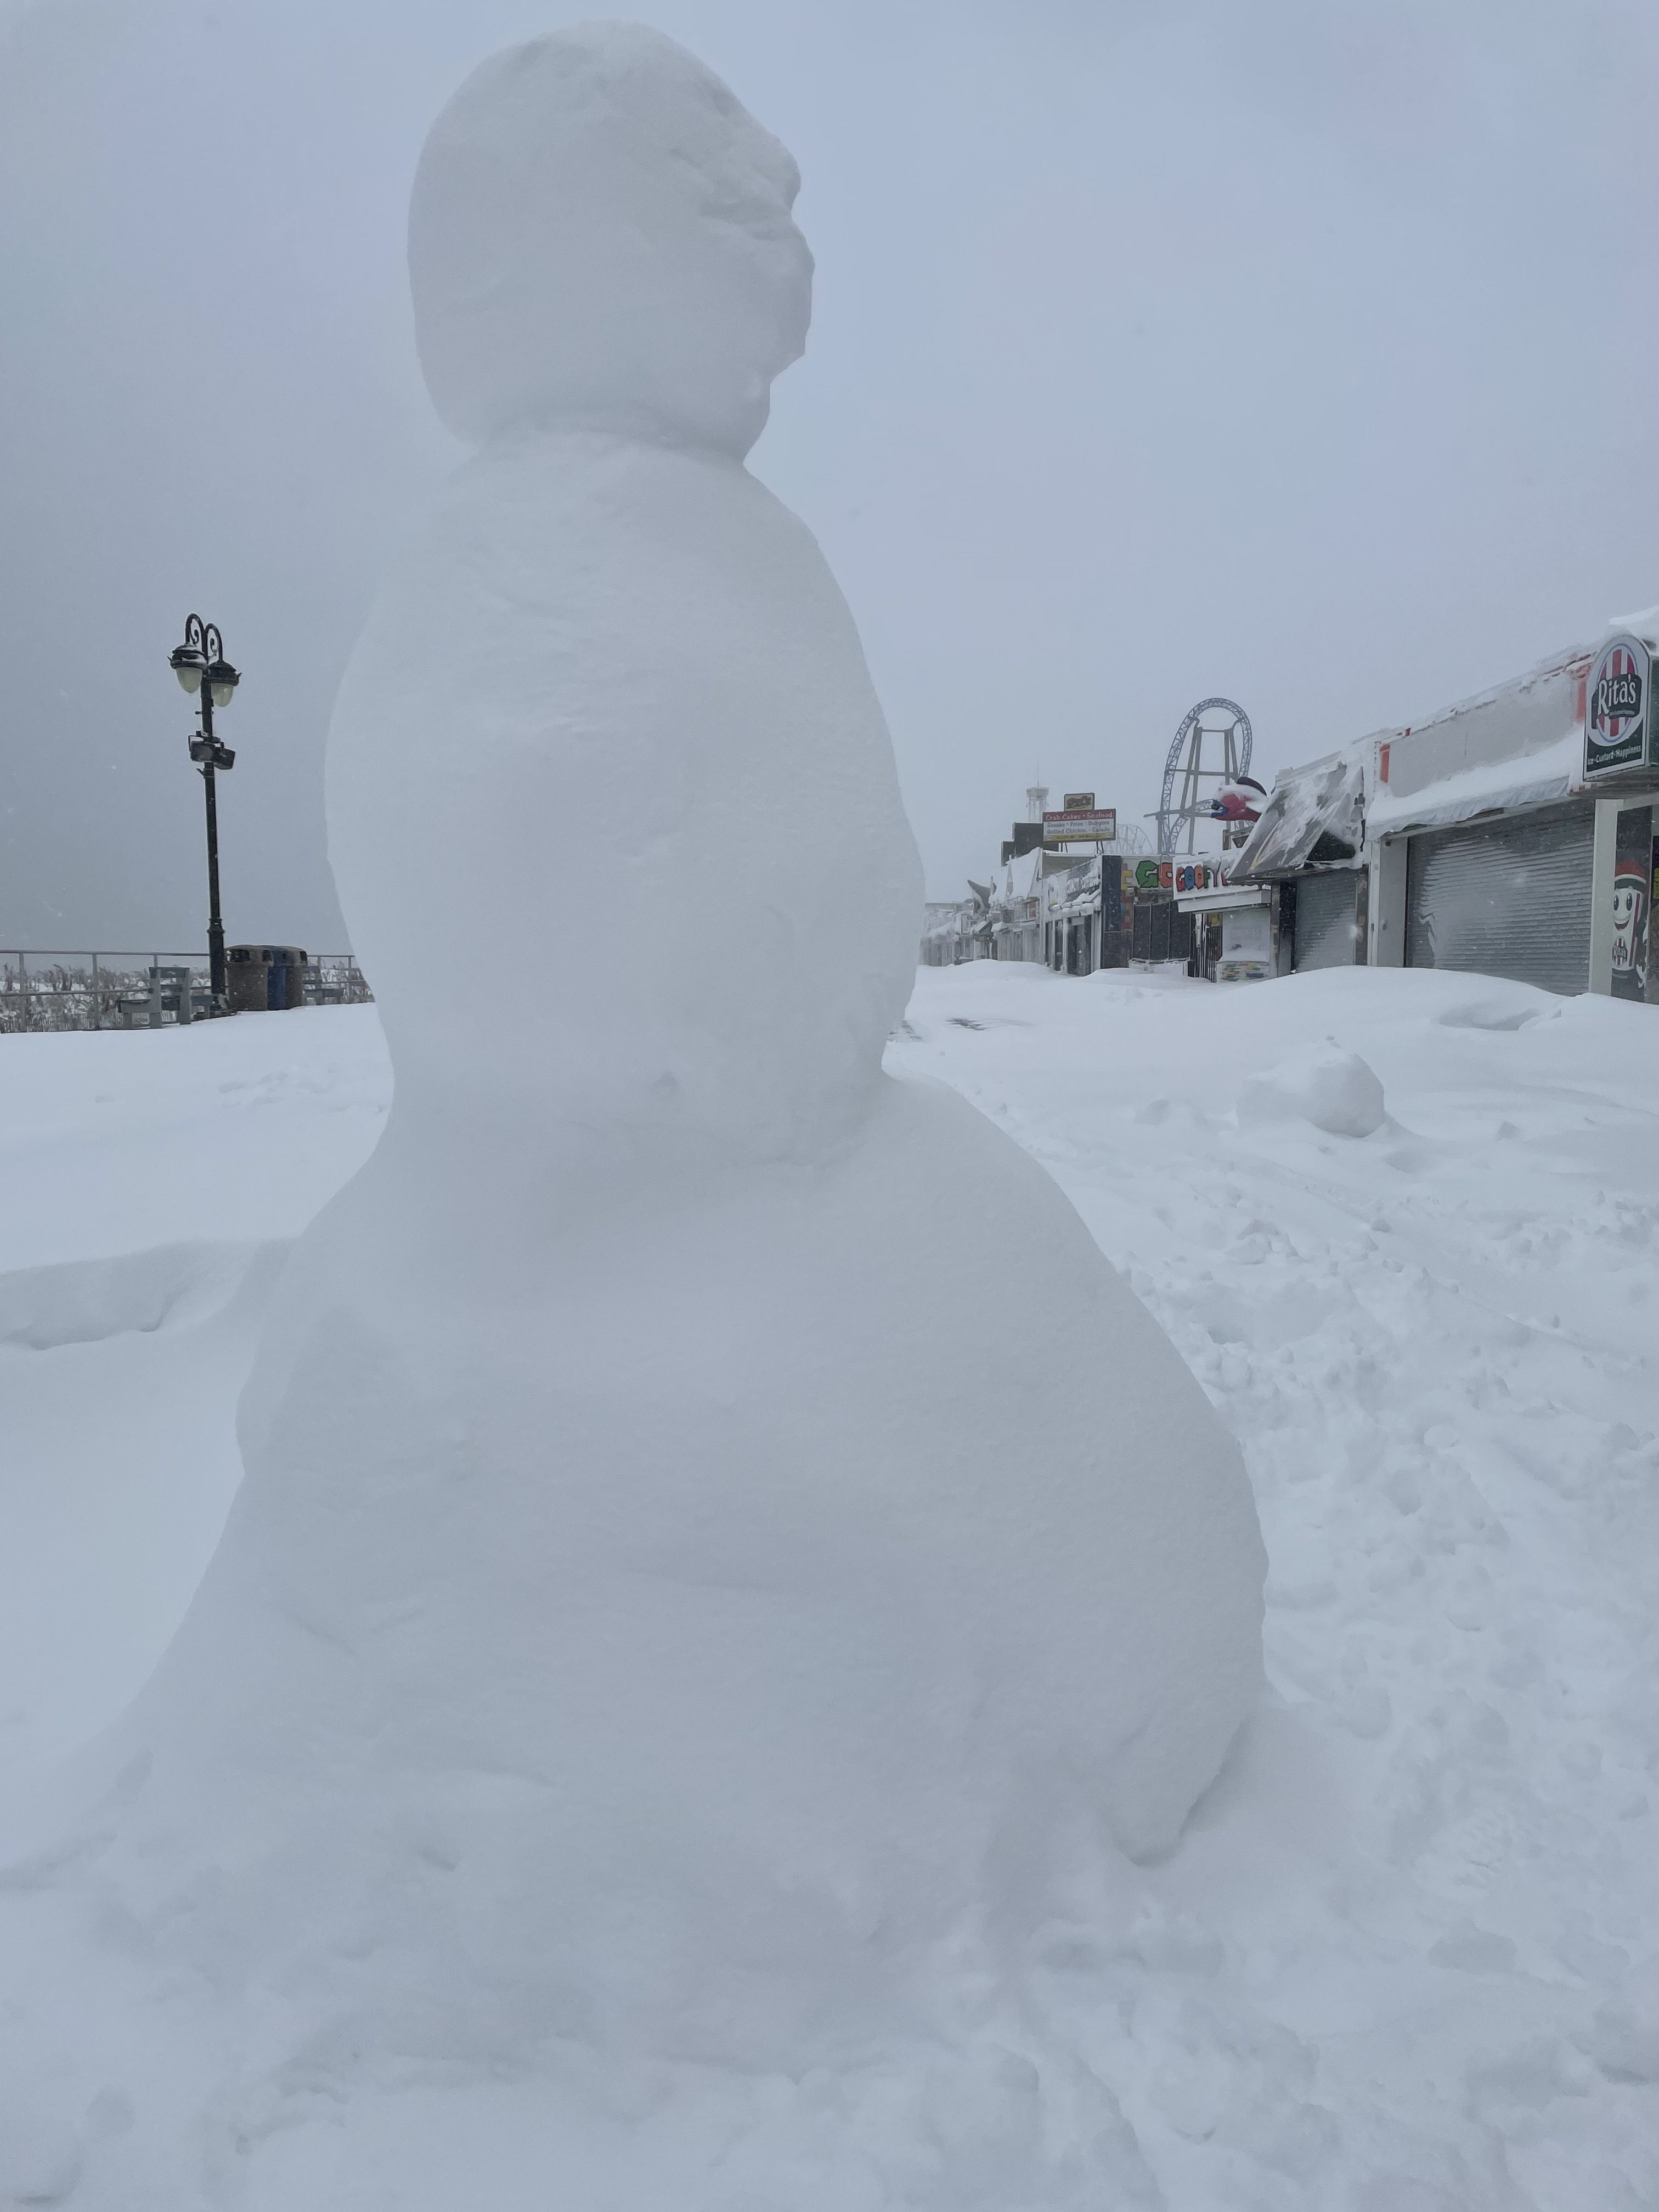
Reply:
x=1617, y=710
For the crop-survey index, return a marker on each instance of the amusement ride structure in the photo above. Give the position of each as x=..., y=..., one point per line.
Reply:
x=1208, y=753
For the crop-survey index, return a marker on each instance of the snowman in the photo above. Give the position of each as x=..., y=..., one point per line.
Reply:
x=666, y=1642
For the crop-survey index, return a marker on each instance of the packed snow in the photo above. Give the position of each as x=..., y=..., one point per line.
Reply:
x=1406, y=1953
x=1409, y=1953
x=149, y=1194
x=645, y=1677
x=1336, y=1090
x=600, y=238
x=721, y=1667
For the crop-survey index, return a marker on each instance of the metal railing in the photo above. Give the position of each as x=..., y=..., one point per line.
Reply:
x=50, y=989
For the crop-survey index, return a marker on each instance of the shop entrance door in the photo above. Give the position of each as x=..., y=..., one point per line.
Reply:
x=1327, y=921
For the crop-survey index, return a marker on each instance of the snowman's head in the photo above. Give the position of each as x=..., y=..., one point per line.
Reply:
x=600, y=237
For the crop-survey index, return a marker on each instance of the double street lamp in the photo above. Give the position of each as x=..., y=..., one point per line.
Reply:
x=201, y=667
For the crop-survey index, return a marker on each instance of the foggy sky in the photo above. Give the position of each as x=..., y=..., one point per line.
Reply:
x=1299, y=351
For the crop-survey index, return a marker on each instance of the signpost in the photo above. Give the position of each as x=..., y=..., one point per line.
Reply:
x=1080, y=825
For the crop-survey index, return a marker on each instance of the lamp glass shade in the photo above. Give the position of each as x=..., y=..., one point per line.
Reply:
x=188, y=667
x=222, y=679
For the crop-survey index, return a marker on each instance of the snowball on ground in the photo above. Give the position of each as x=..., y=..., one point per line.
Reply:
x=1334, y=1090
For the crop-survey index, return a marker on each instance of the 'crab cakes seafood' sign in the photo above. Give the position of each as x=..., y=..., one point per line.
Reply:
x=1617, y=712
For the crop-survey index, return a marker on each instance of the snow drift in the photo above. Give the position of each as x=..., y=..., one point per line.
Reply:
x=645, y=1636
x=1336, y=1090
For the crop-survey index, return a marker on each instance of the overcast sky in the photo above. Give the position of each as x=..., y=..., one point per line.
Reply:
x=1296, y=350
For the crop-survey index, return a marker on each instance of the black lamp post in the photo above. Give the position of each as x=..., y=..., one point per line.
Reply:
x=201, y=667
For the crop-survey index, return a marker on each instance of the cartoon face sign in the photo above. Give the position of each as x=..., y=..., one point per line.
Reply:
x=1629, y=922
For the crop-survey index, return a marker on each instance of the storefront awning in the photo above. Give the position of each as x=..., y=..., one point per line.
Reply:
x=1222, y=898
x=1314, y=819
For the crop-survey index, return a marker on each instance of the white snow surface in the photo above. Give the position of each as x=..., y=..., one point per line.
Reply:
x=147, y=1200
x=646, y=1671
x=1525, y=778
x=1406, y=1953
x=1334, y=1090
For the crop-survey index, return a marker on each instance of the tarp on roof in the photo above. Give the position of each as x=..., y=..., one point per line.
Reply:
x=1314, y=819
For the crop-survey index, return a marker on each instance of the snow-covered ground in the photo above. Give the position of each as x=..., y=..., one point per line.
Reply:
x=149, y=1185
x=1407, y=1953
x=1414, y=1933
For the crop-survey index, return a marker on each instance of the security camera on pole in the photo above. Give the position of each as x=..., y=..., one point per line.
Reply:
x=201, y=667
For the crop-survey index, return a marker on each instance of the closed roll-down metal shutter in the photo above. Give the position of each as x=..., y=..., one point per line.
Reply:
x=1327, y=912
x=1507, y=898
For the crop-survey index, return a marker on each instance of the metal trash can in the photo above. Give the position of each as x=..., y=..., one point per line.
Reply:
x=265, y=978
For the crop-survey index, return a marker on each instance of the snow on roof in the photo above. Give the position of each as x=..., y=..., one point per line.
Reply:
x=1645, y=626
x=1553, y=665
x=1519, y=742
x=1525, y=780
x=1517, y=721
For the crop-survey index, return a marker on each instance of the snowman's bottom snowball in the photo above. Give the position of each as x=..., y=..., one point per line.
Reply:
x=669, y=1634
x=979, y=2102
x=992, y=2125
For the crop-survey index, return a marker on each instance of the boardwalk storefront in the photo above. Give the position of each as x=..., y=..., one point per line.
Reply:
x=1514, y=835
x=1307, y=853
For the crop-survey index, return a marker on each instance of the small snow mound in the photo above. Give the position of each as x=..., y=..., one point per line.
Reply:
x=1334, y=1090
x=1490, y=1014
x=88, y=1301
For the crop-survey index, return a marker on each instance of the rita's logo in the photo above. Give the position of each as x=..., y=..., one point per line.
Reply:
x=1615, y=708
x=1615, y=699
